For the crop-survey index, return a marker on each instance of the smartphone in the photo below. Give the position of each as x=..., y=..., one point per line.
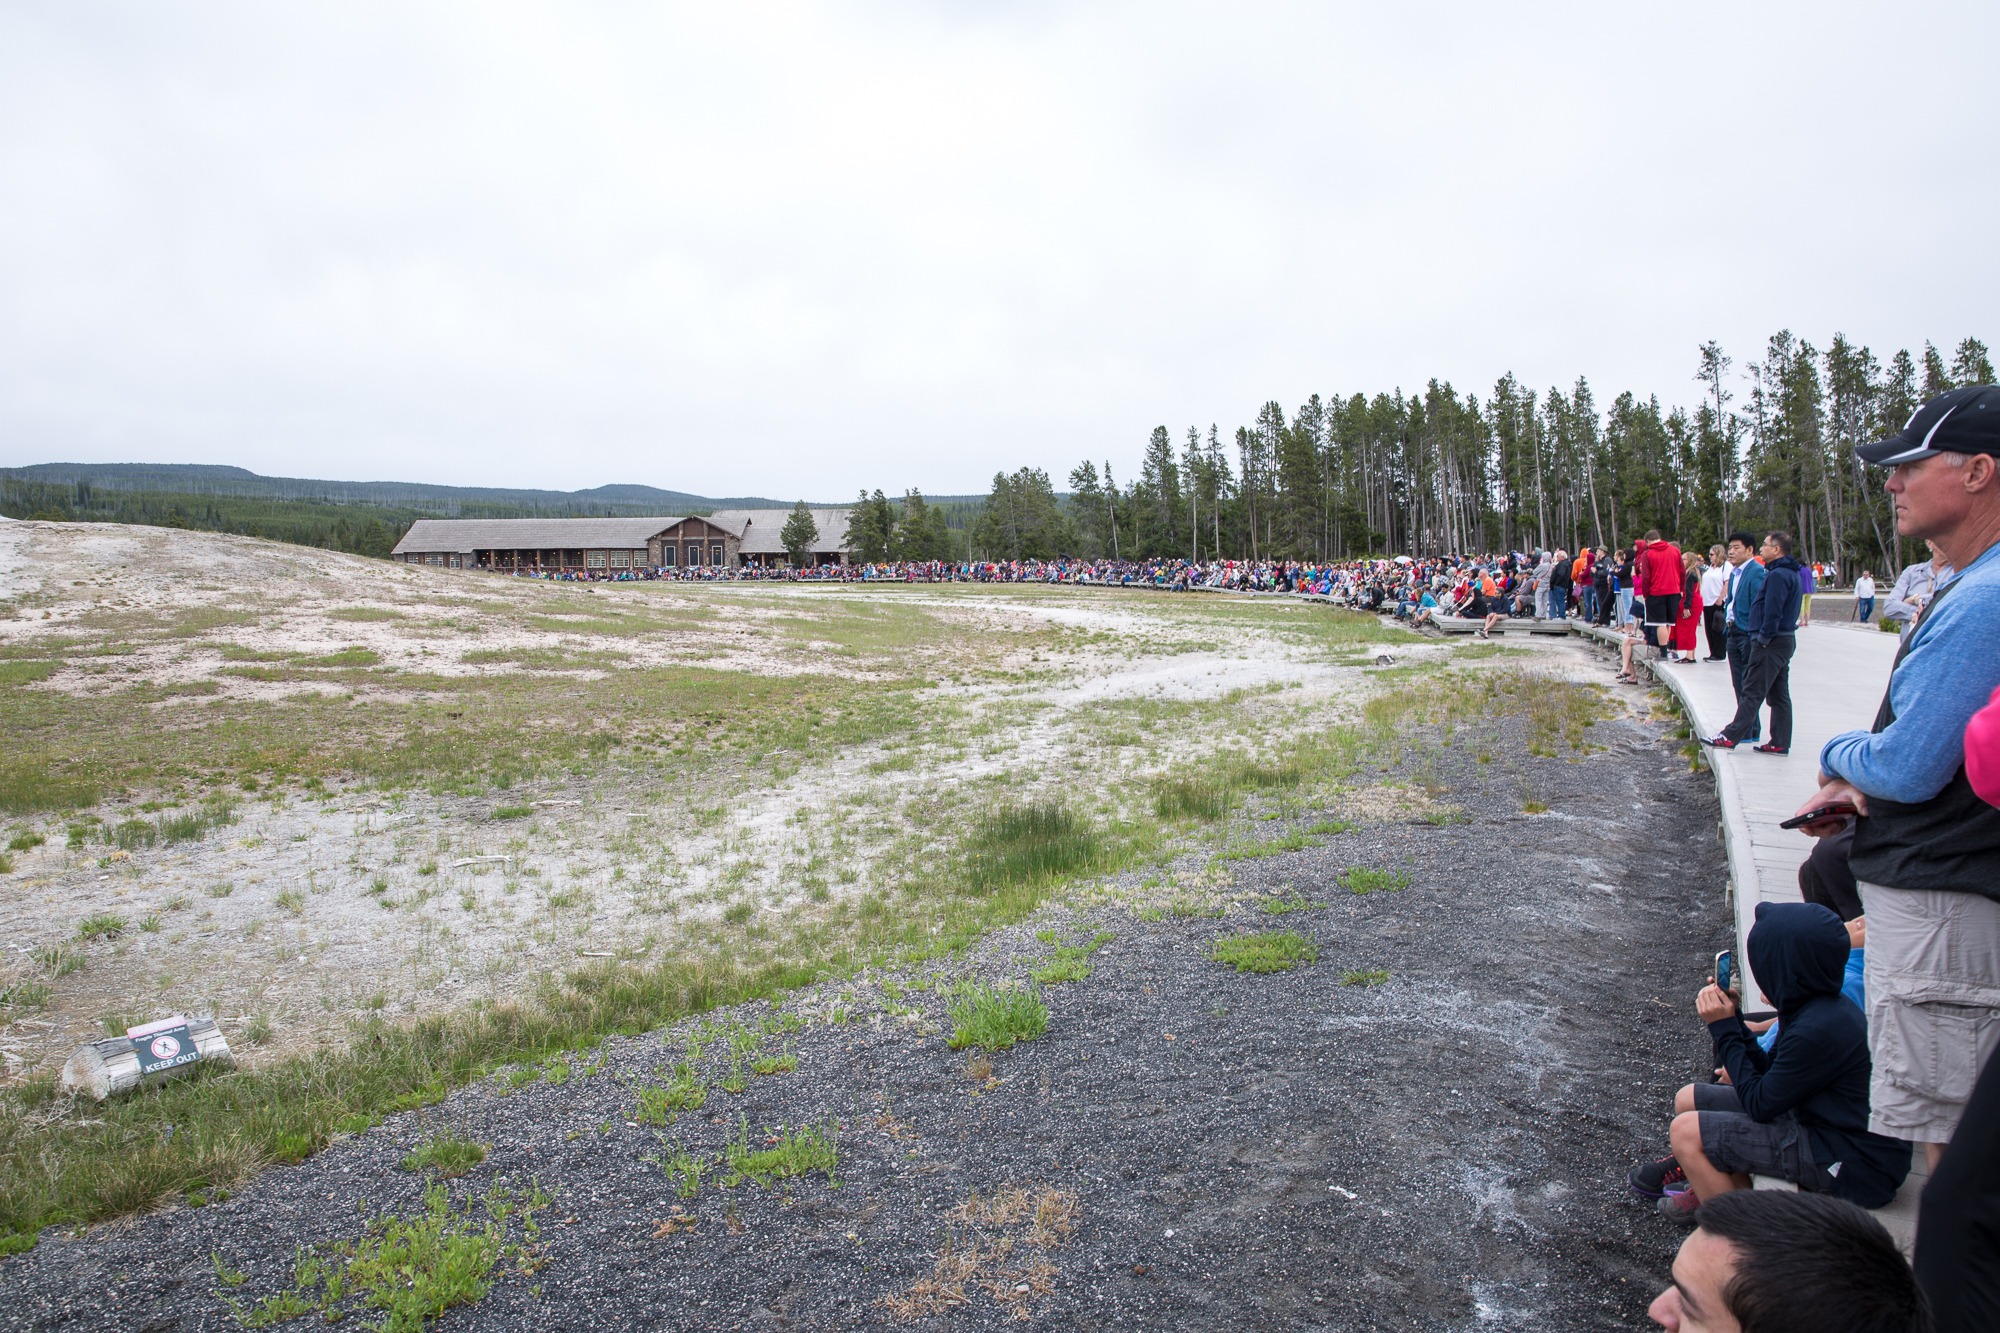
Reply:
x=1838, y=810
x=1725, y=970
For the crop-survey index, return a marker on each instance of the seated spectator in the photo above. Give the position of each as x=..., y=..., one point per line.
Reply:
x=1769, y=1261
x=1634, y=635
x=1799, y=1111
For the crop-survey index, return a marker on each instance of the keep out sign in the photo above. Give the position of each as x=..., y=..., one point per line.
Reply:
x=166, y=1044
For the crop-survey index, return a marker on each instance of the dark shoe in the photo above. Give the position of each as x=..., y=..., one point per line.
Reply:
x=1774, y=749
x=1654, y=1179
x=1718, y=742
x=1679, y=1206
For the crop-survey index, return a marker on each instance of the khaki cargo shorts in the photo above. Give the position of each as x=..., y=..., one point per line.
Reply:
x=1933, y=980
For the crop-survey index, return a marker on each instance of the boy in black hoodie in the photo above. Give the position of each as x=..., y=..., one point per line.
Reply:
x=1799, y=1112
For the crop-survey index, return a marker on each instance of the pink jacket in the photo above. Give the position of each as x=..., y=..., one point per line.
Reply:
x=1982, y=751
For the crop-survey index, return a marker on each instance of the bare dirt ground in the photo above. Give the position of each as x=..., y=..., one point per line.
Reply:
x=323, y=903
x=1425, y=1128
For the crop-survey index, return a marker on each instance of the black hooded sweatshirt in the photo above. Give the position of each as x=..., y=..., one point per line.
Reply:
x=1818, y=1067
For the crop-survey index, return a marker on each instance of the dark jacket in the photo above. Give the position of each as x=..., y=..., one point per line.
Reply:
x=1777, y=608
x=1818, y=1067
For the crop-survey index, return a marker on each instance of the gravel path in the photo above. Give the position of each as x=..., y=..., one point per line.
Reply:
x=1444, y=1150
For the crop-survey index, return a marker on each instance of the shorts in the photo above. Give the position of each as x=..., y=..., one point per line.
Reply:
x=1933, y=983
x=1735, y=1143
x=1663, y=608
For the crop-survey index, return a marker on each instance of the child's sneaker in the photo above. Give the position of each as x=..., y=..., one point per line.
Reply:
x=1654, y=1179
x=1679, y=1205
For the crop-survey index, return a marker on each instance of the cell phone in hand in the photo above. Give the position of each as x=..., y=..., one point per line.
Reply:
x=1838, y=810
x=1725, y=970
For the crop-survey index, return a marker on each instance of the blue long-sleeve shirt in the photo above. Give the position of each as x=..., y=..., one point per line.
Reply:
x=1950, y=667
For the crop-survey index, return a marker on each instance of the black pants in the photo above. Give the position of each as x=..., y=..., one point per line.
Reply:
x=1958, y=1221
x=1767, y=679
x=1739, y=663
x=1713, y=620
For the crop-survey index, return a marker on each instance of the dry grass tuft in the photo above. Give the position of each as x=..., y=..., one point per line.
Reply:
x=998, y=1247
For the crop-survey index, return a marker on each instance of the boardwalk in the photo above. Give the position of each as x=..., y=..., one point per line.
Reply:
x=1837, y=681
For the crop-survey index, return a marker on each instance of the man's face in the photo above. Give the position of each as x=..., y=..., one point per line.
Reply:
x=1930, y=494
x=1694, y=1303
x=1768, y=551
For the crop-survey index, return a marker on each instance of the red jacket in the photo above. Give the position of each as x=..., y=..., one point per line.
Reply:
x=1660, y=570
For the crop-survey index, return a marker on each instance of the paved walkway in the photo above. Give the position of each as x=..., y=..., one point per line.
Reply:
x=1838, y=676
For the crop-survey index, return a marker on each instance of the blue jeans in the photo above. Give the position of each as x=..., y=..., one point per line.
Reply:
x=1586, y=601
x=1864, y=608
x=1624, y=605
x=1558, y=603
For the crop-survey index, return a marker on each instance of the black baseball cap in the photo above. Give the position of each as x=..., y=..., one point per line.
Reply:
x=1963, y=421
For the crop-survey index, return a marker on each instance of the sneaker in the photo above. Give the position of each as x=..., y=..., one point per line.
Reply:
x=1718, y=742
x=1679, y=1205
x=1774, y=749
x=1655, y=1179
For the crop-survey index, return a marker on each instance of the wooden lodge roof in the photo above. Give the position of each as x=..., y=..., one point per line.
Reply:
x=759, y=529
x=529, y=534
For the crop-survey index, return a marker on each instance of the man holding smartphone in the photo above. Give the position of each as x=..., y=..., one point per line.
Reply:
x=1926, y=849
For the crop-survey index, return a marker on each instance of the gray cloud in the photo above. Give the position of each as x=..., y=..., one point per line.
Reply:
x=806, y=248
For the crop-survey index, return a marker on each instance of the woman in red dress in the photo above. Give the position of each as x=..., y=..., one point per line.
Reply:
x=1690, y=617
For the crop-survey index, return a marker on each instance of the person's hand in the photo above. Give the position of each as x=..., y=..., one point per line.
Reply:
x=1713, y=1004
x=1833, y=791
x=1722, y=1076
x=1857, y=933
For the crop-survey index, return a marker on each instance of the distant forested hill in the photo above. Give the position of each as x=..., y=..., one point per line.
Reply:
x=434, y=501
x=364, y=517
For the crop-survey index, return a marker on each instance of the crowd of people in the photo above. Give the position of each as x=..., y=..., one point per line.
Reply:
x=1882, y=987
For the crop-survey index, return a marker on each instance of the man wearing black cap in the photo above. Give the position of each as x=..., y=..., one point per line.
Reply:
x=1926, y=848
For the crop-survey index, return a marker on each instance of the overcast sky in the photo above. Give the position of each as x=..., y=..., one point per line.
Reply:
x=803, y=249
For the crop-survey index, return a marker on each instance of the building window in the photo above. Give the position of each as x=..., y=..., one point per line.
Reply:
x=694, y=553
x=715, y=554
x=436, y=559
x=593, y=559
x=621, y=560
x=667, y=555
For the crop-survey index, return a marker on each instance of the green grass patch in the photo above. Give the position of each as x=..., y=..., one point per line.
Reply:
x=1369, y=977
x=1038, y=843
x=1270, y=951
x=994, y=1018
x=447, y=1154
x=788, y=1153
x=98, y=925
x=404, y=1272
x=513, y=811
x=26, y=673
x=346, y=657
x=364, y=614
x=658, y=1103
x=1367, y=879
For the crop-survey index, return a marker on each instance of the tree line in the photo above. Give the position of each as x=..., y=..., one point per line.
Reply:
x=1439, y=473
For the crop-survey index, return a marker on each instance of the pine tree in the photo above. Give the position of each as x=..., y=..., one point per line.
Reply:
x=1970, y=365
x=800, y=534
x=1937, y=378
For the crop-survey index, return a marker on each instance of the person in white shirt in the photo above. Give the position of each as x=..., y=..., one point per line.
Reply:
x=1864, y=596
x=1714, y=615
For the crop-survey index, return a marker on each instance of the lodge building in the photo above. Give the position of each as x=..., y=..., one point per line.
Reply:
x=731, y=538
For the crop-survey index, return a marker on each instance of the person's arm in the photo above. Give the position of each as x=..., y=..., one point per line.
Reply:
x=1946, y=676
x=1899, y=607
x=1764, y=611
x=1770, y=1085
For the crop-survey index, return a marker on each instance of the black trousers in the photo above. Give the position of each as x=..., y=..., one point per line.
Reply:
x=1958, y=1220
x=1714, y=621
x=1767, y=678
x=1739, y=662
